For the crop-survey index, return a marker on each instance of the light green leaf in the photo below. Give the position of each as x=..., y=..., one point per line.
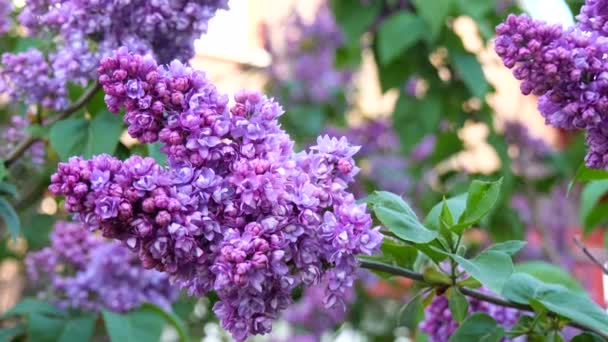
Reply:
x=458, y=304
x=171, y=318
x=456, y=205
x=29, y=306
x=10, y=218
x=78, y=329
x=154, y=152
x=11, y=333
x=588, y=337
x=550, y=274
x=478, y=327
x=491, y=268
x=397, y=33
x=482, y=196
x=42, y=328
x=434, y=13
x=508, y=247
x=404, y=226
x=8, y=189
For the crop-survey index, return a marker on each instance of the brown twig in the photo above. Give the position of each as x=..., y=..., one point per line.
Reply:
x=580, y=245
x=14, y=155
x=398, y=271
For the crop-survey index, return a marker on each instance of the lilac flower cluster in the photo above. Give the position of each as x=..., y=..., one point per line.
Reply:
x=88, y=30
x=6, y=8
x=567, y=68
x=439, y=324
x=530, y=151
x=307, y=66
x=236, y=211
x=380, y=157
x=84, y=271
x=13, y=133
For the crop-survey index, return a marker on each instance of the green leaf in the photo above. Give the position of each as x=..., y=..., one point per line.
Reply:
x=306, y=120
x=434, y=13
x=478, y=327
x=154, y=152
x=414, y=118
x=476, y=8
x=404, y=226
x=11, y=333
x=592, y=214
x=408, y=312
x=10, y=218
x=140, y=325
x=470, y=72
x=588, y=337
x=397, y=33
x=491, y=268
x=78, y=329
x=399, y=253
x=171, y=318
x=434, y=276
x=508, y=247
x=81, y=137
x=550, y=274
x=29, y=306
x=355, y=17
x=43, y=328
x=36, y=230
x=8, y=189
x=526, y=289
x=456, y=205
x=458, y=304
x=482, y=197
x=3, y=170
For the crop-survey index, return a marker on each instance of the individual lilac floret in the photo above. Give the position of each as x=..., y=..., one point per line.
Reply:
x=13, y=133
x=568, y=69
x=83, y=271
x=439, y=324
x=236, y=211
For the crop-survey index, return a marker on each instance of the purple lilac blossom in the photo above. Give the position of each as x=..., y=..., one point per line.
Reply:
x=84, y=271
x=86, y=31
x=307, y=67
x=311, y=315
x=13, y=133
x=386, y=167
x=236, y=211
x=439, y=324
x=6, y=8
x=531, y=151
x=567, y=68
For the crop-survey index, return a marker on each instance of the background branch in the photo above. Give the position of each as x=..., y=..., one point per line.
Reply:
x=20, y=149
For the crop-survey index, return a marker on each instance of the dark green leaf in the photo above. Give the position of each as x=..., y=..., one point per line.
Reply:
x=397, y=33
x=137, y=325
x=592, y=214
x=399, y=253
x=458, y=303
x=491, y=268
x=508, y=247
x=154, y=152
x=470, y=72
x=434, y=13
x=10, y=218
x=12, y=332
x=355, y=17
x=8, y=189
x=478, y=327
x=80, y=137
x=29, y=306
x=476, y=8
x=78, y=329
x=43, y=328
x=171, y=318
x=588, y=337
x=36, y=230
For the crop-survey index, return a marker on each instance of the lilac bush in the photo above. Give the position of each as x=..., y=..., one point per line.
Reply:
x=84, y=271
x=236, y=210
